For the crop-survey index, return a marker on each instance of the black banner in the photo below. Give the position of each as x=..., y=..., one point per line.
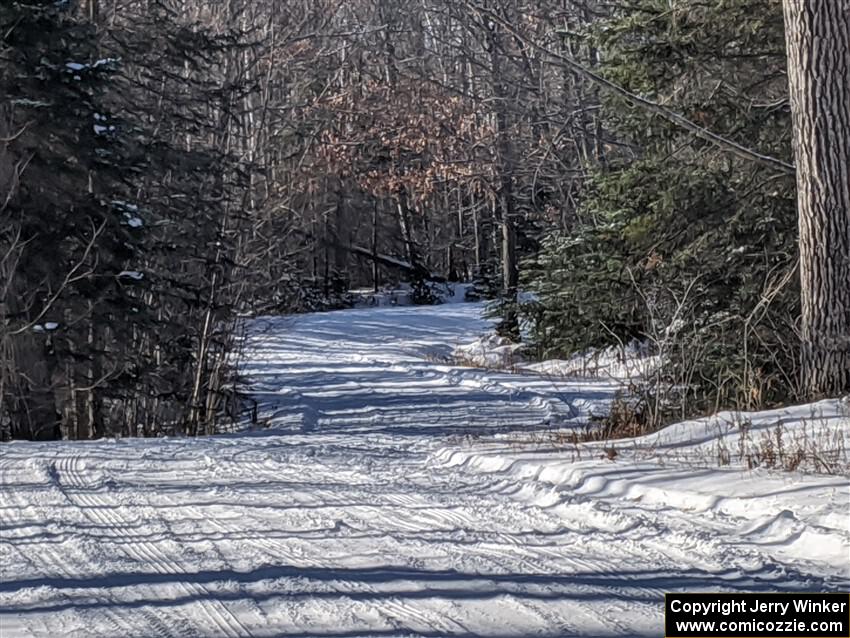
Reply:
x=757, y=615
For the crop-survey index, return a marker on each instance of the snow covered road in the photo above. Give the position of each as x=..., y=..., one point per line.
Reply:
x=365, y=509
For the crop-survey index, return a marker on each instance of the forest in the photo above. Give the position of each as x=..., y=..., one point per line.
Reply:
x=424, y=318
x=170, y=167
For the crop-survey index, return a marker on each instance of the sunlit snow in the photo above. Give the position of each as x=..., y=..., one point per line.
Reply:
x=386, y=492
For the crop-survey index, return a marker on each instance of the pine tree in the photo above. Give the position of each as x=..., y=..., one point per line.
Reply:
x=67, y=240
x=674, y=230
x=120, y=304
x=819, y=74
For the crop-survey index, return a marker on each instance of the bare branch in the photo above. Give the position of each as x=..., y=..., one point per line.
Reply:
x=566, y=61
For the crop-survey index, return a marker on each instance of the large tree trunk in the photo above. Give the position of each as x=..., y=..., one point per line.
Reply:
x=818, y=36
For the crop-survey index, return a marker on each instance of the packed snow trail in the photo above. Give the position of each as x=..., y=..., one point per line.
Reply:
x=351, y=516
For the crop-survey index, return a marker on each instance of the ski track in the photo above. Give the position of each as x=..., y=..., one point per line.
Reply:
x=339, y=520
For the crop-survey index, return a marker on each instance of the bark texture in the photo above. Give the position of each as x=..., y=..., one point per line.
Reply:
x=818, y=36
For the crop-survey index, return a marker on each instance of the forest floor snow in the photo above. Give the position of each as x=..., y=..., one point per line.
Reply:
x=395, y=495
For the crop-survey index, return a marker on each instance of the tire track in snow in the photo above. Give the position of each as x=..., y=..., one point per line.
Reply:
x=110, y=607
x=398, y=509
x=503, y=551
x=46, y=560
x=370, y=535
x=650, y=533
x=398, y=609
x=394, y=609
x=506, y=552
x=100, y=512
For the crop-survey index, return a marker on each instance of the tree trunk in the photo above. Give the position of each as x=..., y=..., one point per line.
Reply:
x=818, y=38
x=505, y=210
x=405, y=227
x=376, y=268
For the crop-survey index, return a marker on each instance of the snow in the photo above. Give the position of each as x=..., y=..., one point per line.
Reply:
x=132, y=274
x=47, y=326
x=390, y=494
x=795, y=517
x=401, y=295
x=490, y=351
x=125, y=205
x=388, y=296
x=627, y=363
x=106, y=61
x=100, y=129
x=32, y=103
x=76, y=67
x=129, y=211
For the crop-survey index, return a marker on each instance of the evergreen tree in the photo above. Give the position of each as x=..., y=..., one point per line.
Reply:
x=673, y=231
x=119, y=235
x=70, y=244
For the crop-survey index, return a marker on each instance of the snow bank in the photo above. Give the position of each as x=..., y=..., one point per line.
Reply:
x=629, y=363
x=490, y=351
x=791, y=517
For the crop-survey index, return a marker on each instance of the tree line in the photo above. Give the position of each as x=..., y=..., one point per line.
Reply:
x=168, y=166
